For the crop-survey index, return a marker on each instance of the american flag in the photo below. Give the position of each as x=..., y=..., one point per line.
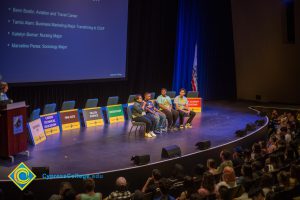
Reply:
x=194, y=72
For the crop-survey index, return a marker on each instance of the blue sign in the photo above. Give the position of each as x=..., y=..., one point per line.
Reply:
x=18, y=124
x=50, y=123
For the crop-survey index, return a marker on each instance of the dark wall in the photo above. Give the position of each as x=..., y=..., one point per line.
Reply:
x=150, y=60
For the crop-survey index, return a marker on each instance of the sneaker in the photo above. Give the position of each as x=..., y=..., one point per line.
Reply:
x=158, y=131
x=164, y=130
x=152, y=134
x=175, y=128
x=148, y=135
x=188, y=125
x=181, y=126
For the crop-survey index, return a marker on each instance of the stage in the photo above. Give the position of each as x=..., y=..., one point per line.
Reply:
x=108, y=148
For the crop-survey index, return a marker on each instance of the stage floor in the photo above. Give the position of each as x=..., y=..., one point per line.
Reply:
x=106, y=148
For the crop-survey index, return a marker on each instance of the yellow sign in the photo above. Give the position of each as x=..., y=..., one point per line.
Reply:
x=22, y=176
x=96, y=122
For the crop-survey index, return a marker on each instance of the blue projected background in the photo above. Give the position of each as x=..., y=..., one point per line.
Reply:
x=62, y=40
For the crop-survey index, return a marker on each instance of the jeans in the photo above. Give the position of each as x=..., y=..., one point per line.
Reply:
x=184, y=114
x=172, y=116
x=160, y=119
x=148, y=120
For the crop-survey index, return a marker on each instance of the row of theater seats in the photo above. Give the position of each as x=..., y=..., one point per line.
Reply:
x=91, y=103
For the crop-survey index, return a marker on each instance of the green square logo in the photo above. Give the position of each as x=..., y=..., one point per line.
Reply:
x=22, y=176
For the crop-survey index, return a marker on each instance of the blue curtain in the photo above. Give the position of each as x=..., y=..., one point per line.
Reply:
x=210, y=24
x=187, y=32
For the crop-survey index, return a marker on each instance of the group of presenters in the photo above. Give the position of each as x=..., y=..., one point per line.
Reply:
x=162, y=118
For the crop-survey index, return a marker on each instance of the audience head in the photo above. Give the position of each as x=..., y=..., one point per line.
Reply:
x=69, y=194
x=225, y=155
x=163, y=91
x=64, y=186
x=295, y=172
x=121, y=184
x=256, y=194
x=283, y=178
x=208, y=181
x=156, y=174
x=89, y=185
x=164, y=186
x=211, y=163
x=256, y=148
x=247, y=170
x=223, y=193
x=28, y=195
x=178, y=171
x=266, y=181
x=138, y=98
x=228, y=175
x=138, y=195
x=199, y=170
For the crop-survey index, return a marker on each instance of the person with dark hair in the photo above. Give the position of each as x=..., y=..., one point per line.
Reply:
x=256, y=151
x=272, y=163
x=121, y=191
x=63, y=186
x=164, y=187
x=223, y=193
x=246, y=187
x=256, y=194
x=295, y=175
x=90, y=194
x=139, y=115
x=211, y=166
x=257, y=169
x=151, y=184
x=238, y=156
x=189, y=188
x=247, y=156
x=228, y=178
x=182, y=106
x=247, y=175
x=138, y=195
x=160, y=117
x=165, y=104
x=208, y=185
x=198, y=172
x=225, y=157
x=177, y=174
x=283, y=178
x=266, y=183
x=69, y=194
x=28, y=195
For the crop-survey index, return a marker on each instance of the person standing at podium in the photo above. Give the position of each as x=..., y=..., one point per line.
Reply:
x=3, y=91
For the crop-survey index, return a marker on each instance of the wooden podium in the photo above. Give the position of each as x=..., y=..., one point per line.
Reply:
x=13, y=131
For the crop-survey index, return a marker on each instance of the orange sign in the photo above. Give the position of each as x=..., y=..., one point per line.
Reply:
x=195, y=104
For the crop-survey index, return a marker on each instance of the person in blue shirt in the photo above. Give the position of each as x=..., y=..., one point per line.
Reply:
x=139, y=115
x=159, y=116
x=182, y=106
x=165, y=105
x=3, y=91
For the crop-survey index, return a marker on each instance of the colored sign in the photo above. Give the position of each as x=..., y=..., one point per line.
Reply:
x=92, y=117
x=195, y=104
x=18, y=124
x=50, y=123
x=36, y=131
x=69, y=119
x=115, y=113
x=22, y=176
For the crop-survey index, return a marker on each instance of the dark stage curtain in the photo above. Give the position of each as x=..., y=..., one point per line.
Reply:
x=210, y=24
x=150, y=60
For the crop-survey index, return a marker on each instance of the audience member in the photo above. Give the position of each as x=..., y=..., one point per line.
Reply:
x=211, y=166
x=164, y=187
x=225, y=157
x=90, y=194
x=63, y=186
x=189, y=188
x=152, y=183
x=121, y=192
x=208, y=185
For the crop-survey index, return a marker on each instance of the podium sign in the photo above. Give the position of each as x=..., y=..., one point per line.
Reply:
x=69, y=119
x=195, y=104
x=92, y=117
x=36, y=131
x=50, y=123
x=115, y=113
x=13, y=134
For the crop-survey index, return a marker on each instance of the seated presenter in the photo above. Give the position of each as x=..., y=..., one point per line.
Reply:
x=160, y=117
x=182, y=107
x=165, y=105
x=139, y=115
x=3, y=91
